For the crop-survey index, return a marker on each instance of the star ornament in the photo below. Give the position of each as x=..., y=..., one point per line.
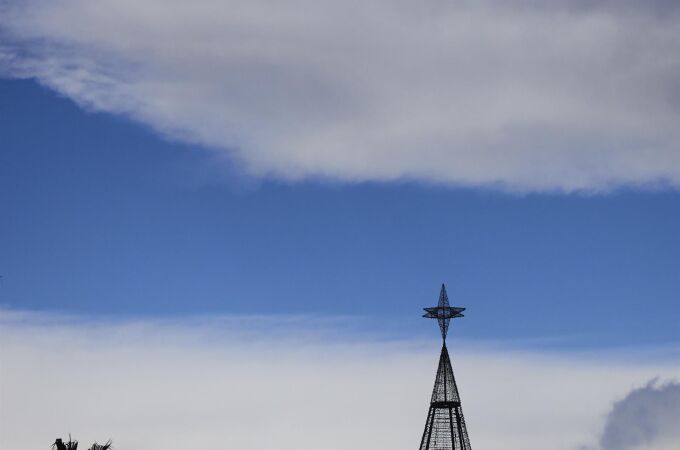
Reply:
x=443, y=312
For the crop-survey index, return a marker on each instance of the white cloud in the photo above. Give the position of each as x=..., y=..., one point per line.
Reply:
x=509, y=94
x=229, y=383
x=645, y=419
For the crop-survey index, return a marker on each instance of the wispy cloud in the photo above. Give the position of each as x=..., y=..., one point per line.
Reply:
x=230, y=383
x=520, y=95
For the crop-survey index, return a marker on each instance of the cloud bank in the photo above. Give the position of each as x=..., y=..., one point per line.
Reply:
x=519, y=95
x=228, y=383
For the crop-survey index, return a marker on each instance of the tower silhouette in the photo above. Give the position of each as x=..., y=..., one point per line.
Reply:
x=445, y=425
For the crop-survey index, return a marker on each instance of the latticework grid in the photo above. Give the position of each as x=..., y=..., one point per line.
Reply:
x=445, y=426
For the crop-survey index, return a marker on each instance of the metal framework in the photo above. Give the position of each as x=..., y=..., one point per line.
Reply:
x=445, y=425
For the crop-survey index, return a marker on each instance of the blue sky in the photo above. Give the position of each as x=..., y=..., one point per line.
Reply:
x=102, y=216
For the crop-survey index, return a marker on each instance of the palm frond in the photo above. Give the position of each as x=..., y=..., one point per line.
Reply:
x=106, y=446
x=71, y=444
x=59, y=444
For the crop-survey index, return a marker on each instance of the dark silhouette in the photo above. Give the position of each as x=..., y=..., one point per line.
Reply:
x=73, y=445
x=445, y=426
x=61, y=445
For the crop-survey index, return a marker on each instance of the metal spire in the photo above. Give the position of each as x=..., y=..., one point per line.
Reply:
x=445, y=425
x=443, y=312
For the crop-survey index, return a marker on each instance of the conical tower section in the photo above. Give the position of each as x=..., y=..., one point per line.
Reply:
x=445, y=425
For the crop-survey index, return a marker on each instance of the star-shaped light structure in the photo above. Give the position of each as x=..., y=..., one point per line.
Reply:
x=443, y=312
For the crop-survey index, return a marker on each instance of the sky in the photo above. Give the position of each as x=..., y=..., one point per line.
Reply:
x=104, y=217
x=204, y=194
